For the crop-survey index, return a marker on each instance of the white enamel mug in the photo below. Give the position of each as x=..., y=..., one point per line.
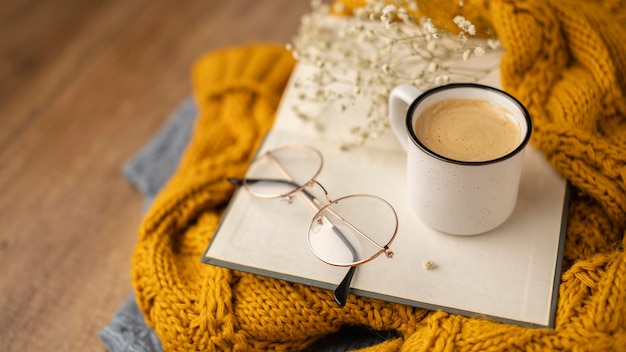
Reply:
x=452, y=196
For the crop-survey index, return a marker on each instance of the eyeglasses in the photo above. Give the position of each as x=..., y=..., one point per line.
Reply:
x=345, y=232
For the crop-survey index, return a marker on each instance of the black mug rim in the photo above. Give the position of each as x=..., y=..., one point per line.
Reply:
x=428, y=93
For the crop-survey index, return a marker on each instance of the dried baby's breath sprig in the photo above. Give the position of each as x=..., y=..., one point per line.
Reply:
x=362, y=57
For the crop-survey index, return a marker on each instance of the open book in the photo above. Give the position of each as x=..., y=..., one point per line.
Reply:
x=510, y=274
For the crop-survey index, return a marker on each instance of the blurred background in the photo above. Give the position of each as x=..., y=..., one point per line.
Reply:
x=83, y=85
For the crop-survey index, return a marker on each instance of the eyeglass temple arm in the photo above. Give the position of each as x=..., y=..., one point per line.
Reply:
x=239, y=182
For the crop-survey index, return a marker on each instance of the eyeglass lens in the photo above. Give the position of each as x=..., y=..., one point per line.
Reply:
x=352, y=230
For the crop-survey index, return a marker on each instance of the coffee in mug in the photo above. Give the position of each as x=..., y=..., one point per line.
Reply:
x=464, y=145
x=467, y=130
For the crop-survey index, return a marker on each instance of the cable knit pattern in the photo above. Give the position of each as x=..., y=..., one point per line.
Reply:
x=564, y=59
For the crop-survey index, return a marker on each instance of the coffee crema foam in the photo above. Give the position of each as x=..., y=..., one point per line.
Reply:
x=467, y=130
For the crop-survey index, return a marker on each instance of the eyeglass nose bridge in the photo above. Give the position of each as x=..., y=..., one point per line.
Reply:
x=316, y=182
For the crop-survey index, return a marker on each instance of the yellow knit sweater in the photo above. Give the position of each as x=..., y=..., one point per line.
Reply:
x=564, y=59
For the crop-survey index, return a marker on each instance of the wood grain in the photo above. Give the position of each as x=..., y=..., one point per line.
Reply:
x=83, y=84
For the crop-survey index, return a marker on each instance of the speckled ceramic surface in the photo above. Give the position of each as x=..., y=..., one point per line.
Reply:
x=452, y=196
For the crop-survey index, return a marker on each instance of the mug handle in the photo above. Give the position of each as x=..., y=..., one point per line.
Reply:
x=399, y=100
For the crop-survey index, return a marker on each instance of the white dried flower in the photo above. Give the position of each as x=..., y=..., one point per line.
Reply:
x=443, y=79
x=464, y=25
x=466, y=54
x=381, y=46
x=471, y=30
x=429, y=26
x=493, y=43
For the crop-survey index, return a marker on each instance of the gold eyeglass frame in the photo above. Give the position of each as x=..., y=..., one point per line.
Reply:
x=342, y=290
x=318, y=206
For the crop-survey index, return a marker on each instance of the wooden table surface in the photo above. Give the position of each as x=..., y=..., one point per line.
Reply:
x=83, y=85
